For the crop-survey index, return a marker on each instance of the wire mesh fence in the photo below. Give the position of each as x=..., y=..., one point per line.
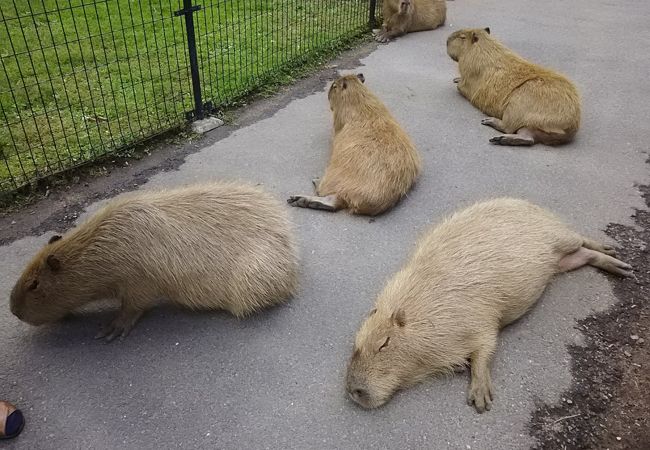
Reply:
x=83, y=78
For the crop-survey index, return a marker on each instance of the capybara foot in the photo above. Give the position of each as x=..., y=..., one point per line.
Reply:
x=480, y=396
x=512, y=139
x=121, y=326
x=308, y=201
x=584, y=256
x=456, y=80
x=494, y=123
x=382, y=37
x=602, y=248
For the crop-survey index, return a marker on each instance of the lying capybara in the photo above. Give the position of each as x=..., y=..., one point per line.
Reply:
x=473, y=274
x=212, y=246
x=408, y=16
x=527, y=102
x=373, y=162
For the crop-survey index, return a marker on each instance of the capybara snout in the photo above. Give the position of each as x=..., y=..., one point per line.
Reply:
x=377, y=367
x=31, y=297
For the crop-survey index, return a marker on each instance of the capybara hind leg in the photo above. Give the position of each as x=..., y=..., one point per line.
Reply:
x=480, y=389
x=329, y=203
x=495, y=123
x=121, y=325
x=585, y=256
x=523, y=136
x=602, y=248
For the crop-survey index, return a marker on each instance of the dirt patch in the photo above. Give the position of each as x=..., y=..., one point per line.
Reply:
x=608, y=405
x=55, y=207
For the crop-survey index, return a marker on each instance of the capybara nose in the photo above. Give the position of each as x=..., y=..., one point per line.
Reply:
x=358, y=394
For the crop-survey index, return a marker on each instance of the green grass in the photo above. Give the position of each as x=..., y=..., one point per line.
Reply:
x=83, y=78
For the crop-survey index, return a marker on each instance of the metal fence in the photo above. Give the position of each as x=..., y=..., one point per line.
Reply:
x=81, y=79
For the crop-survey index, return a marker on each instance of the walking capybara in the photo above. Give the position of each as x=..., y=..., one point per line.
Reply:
x=211, y=246
x=373, y=162
x=527, y=102
x=474, y=273
x=407, y=16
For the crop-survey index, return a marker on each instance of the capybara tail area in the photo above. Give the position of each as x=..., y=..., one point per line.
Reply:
x=586, y=256
x=368, y=205
x=552, y=137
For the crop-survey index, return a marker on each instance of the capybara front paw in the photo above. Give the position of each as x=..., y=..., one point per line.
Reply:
x=120, y=327
x=382, y=38
x=480, y=397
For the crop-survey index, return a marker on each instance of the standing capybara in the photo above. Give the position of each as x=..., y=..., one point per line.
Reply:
x=373, y=162
x=212, y=246
x=407, y=16
x=527, y=102
x=473, y=274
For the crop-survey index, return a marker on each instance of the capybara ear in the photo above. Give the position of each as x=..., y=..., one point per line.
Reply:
x=487, y=30
x=54, y=238
x=399, y=318
x=473, y=37
x=344, y=85
x=361, y=77
x=53, y=262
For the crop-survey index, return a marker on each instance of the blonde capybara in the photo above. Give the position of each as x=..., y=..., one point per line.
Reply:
x=527, y=102
x=408, y=16
x=212, y=246
x=373, y=162
x=474, y=273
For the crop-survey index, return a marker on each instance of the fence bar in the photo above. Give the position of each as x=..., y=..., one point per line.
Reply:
x=373, y=16
x=188, y=11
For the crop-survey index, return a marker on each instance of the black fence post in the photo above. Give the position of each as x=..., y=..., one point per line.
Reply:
x=373, y=14
x=188, y=11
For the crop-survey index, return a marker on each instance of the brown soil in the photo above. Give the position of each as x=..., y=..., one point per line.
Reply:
x=608, y=405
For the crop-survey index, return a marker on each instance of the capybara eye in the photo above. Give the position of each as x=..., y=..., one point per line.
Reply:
x=385, y=344
x=33, y=285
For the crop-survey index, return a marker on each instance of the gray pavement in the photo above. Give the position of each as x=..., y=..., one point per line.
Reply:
x=191, y=380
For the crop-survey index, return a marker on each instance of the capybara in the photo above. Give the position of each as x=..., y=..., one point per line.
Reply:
x=407, y=16
x=212, y=246
x=474, y=273
x=525, y=101
x=373, y=162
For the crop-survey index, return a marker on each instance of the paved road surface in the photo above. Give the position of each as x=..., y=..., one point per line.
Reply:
x=276, y=381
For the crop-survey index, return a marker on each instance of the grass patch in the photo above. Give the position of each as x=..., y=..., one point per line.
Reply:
x=81, y=79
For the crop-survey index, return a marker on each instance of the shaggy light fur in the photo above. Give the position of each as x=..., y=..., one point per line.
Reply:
x=373, y=162
x=407, y=16
x=527, y=102
x=213, y=246
x=474, y=273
